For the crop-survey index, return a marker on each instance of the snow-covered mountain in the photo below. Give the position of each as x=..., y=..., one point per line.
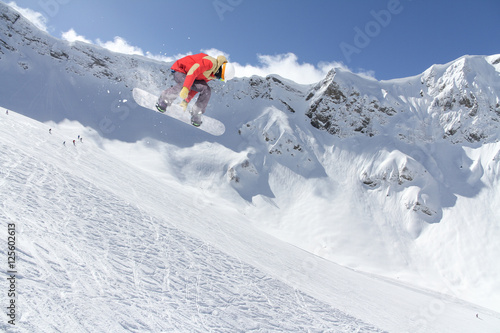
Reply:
x=151, y=225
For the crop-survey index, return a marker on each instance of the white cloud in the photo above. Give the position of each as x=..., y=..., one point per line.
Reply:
x=120, y=45
x=287, y=66
x=215, y=52
x=284, y=65
x=72, y=36
x=34, y=17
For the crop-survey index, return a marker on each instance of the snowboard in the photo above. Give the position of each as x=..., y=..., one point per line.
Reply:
x=148, y=101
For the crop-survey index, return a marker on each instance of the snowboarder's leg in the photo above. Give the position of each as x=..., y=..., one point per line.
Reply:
x=169, y=95
x=199, y=107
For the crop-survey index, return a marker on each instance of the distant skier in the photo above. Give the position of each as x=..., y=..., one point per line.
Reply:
x=50, y=130
x=191, y=74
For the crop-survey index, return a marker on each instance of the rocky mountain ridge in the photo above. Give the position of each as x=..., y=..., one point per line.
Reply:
x=458, y=101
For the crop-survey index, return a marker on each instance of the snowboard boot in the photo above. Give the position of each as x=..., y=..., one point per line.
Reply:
x=196, y=119
x=162, y=106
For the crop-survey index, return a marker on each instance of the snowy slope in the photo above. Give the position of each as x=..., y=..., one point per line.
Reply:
x=104, y=246
x=104, y=253
x=396, y=178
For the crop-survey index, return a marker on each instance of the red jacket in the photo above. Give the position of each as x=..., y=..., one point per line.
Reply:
x=196, y=67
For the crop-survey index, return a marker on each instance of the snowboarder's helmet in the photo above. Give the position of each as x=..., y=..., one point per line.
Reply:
x=227, y=72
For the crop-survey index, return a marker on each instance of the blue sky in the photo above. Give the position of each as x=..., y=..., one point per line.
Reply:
x=300, y=40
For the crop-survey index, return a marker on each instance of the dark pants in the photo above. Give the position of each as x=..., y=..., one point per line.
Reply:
x=199, y=86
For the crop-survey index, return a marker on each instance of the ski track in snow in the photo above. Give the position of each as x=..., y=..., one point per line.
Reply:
x=85, y=253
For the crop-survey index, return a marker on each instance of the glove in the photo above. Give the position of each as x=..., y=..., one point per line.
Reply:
x=184, y=105
x=184, y=93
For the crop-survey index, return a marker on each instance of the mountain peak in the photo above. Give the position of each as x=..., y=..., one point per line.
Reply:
x=462, y=95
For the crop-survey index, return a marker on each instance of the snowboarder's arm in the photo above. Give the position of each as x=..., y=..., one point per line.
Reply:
x=191, y=75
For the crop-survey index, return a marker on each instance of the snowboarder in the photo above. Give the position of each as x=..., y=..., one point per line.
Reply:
x=191, y=74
